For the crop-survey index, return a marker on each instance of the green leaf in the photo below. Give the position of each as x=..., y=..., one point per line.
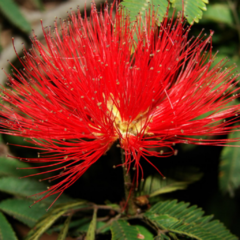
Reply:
x=146, y=234
x=169, y=185
x=62, y=235
x=11, y=167
x=11, y=10
x=102, y=227
x=192, y=8
x=219, y=13
x=19, y=209
x=6, y=231
x=186, y=221
x=49, y=218
x=122, y=230
x=27, y=187
x=155, y=185
x=83, y=226
x=92, y=227
x=73, y=224
x=229, y=178
x=42, y=226
x=136, y=7
x=179, y=179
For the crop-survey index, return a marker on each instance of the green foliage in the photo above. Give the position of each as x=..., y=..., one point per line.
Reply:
x=179, y=179
x=11, y=10
x=27, y=187
x=6, y=231
x=146, y=234
x=73, y=224
x=122, y=230
x=92, y=227
x=43, y=225
x=84, y=223
x=11, y=167
x=192, y=9
x=136, y=7
x=19, y=209
x=161, y=185
x=49, y=218
x=62, y=235
x=229, y=177
x=170, y=220
x=179, y=218
x=219, y=13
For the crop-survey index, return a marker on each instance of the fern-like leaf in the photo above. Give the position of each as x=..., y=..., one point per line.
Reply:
x=122, y=230
x=192, y=8
x=140, y=7
x=47, y=220
x=179, y=218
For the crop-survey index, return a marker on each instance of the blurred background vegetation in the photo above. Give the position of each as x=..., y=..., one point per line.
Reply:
x=213, y=171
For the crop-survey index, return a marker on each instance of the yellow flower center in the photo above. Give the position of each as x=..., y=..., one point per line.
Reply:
x=129, y=127
x=125, y=128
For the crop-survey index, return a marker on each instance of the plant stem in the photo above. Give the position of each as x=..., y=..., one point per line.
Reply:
x=128, y=188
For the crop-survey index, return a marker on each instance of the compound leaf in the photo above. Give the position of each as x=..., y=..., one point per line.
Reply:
x=47, y=220
x=144, y=233
x=43, y=225
x=122, y=230
x=140, y=7
x=179, y=218
x=6, y=231
x=192, y=8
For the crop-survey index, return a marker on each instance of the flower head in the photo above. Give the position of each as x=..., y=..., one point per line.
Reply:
x=105, y=79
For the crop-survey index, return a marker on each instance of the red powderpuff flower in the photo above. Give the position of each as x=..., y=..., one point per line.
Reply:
x=94, y=84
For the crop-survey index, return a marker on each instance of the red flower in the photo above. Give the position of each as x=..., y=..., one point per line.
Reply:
x=94, y=84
